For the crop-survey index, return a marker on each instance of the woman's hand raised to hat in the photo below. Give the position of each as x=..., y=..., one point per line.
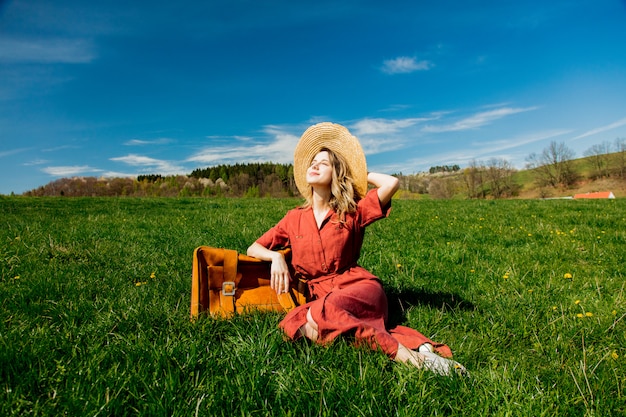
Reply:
x=386, y=184
x=279, y=270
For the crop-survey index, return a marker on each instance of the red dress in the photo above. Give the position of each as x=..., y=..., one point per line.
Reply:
x=346, y=298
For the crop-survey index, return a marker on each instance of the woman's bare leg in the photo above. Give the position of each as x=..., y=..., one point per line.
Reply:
x=309, y=329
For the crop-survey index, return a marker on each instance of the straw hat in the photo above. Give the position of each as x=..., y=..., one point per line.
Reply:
x=339, y=140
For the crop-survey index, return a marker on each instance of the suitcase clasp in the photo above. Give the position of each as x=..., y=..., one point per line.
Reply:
x=229, y=288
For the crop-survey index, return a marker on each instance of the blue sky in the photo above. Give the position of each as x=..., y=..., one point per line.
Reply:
x=121, y=88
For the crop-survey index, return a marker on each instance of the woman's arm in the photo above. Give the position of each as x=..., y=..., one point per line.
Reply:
x=279, y=271
x=386, y=184
x=259, y=251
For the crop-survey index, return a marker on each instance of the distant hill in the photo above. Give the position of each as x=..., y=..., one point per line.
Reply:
x=239, y=180
x=495, y=180
x=593, y=176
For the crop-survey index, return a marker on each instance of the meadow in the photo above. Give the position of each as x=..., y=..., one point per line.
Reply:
x=95, y=294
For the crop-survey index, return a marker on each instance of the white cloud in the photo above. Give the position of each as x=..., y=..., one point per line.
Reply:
x=229, y=139
x=150, y=164
x=35, y=162
x=385, y=135
x=611, y=126
x=140, y=142
x=279, y=149
x=115, y=174
x=66, y=51
x=477, y=120
x=515, y=142
x=13, y=152
x=375, y=134
x=382, y=126
x=475, y=151
x=69, y=171
x=60, y=148
x=396, y=107
x=405, y=65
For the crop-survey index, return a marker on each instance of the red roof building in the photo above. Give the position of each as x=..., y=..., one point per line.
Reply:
x=603, y=194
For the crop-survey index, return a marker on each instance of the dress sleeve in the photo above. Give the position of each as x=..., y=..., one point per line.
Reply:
x=370, y=209
x=276, y=237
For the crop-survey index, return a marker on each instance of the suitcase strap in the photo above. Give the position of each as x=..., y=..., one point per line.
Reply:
x=229, y=286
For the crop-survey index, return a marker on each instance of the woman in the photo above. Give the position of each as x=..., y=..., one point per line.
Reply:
x=325, y=237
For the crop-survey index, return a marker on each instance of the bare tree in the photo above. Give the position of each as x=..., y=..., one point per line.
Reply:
x=473, y=178
x=554, y=166
x=599, y=157
x=441, y=188
x=620, y=157
x=500, y=172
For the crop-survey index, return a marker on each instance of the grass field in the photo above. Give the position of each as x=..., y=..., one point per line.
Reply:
x=94, y=294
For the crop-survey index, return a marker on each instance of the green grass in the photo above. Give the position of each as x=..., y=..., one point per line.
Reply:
x=94, y=312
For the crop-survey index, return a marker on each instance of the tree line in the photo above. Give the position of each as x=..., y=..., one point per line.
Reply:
x=239, y=180
x=444, y=168
x=495, y=178
x=490, y=179
x=554, y=168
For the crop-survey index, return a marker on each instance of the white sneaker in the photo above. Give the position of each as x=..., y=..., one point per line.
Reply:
x=440, y=365
x=426, y=347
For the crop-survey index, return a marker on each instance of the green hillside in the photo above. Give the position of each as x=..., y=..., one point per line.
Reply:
x=494, y=180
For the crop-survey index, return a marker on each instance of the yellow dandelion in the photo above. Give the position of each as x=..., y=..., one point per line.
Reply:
x=471, y=270
x=398, y=265
x=530, y=234
x=17, y=277
x=614, y=355
x=554, y=308
x=577, y=302
x=589, y=314
x=153, y=275
x=137, y=284
x=614, y=312
x=567, y=275
x=505, y=276
x=530, y=291
x=580, y=315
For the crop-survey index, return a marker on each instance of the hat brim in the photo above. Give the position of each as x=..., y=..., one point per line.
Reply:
x=338, y=139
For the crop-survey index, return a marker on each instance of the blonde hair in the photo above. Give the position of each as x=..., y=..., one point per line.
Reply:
x=343, y=194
